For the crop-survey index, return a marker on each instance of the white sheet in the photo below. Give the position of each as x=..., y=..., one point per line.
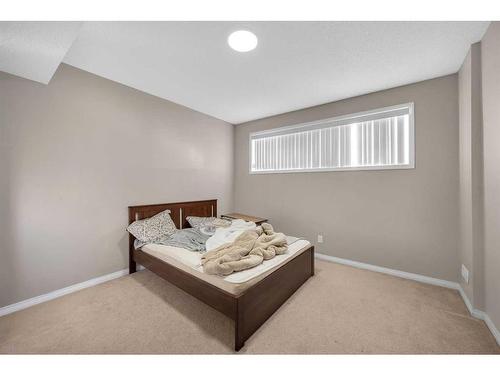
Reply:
x=226, y=235
x=193, y=259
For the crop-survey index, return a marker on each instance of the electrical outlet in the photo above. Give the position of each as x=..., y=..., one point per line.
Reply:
x=320, y=238
x=465, y=274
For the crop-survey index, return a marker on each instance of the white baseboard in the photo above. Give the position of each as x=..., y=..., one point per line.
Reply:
x=423, y=279
x=60, y=292
x=390, y=271
x=480, y=315
x=406, y=275
x=494, y=330
x=474, y=312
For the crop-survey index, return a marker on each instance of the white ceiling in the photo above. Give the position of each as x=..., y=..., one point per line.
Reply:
x=34, y=50
x=295, y=65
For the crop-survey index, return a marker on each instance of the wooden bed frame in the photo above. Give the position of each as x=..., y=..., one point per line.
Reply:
x=251, y=308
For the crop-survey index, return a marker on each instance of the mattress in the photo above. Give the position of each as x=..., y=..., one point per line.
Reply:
x=237, y=282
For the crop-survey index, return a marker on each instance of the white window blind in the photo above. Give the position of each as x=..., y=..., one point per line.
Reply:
x=378, y=139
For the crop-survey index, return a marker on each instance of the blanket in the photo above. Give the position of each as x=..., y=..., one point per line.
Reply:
x=191, y=239
x=248, y=250
x=227, y=235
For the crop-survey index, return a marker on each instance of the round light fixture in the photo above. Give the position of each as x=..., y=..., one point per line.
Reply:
x=242, y=41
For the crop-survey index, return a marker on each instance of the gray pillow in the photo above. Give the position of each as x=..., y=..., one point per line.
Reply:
x=200, y=222
x=150, y=229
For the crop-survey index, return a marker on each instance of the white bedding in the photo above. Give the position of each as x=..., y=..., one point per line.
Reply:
x=192, y=259
x=226, y=235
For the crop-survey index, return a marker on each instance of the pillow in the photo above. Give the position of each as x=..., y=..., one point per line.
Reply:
x=150, y=229
x=199, y=222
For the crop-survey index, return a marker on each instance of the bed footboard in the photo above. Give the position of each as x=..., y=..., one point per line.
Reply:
x=260, y=301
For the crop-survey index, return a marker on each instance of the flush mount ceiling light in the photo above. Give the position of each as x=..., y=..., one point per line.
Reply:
x=242, y=41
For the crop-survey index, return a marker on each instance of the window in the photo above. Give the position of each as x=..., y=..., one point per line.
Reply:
x=378, y=139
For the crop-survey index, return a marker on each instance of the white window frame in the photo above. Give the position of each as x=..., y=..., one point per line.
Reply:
x=341, y=120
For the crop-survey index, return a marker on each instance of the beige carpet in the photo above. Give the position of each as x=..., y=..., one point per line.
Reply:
x=340, y=310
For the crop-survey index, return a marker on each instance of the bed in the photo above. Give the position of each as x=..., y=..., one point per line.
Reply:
x=248, y=301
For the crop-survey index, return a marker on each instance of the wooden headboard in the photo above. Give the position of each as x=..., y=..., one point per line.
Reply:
x=178, y=212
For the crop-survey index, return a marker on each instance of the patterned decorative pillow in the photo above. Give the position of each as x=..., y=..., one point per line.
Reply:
x=150, y=229
x=199, y=222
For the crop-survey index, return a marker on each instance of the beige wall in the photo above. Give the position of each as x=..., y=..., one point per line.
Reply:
x=471, y=175
x=402, y=219
x=490, y=56
x=74, y=154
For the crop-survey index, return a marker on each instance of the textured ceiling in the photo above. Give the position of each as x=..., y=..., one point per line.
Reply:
x=34, y=50
x=295, y=65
